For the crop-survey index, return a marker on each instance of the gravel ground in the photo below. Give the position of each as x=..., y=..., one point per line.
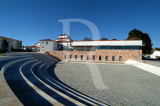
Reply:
x=153, y=62
x=127, y=85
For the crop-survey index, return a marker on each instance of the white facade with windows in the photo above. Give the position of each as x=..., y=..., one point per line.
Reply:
x=113, y=44
x=68, y=44
x=12, y=43
x=65, y=42
x=49, y=45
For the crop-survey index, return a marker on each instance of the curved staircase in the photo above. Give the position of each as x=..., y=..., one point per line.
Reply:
x=32, y=80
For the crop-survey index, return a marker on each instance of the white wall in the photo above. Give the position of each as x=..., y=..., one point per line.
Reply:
x=67, y=45
x=155, y=55
x=19, y=45
x=13, y=44
x=51, y=46
x=108, y=43
x=37, y=44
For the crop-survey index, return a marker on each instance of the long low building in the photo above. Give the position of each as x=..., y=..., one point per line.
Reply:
x=65, y=48
x=13, y=44
x=107, y=44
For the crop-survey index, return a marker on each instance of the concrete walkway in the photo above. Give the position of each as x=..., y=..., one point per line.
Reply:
x=147, y=67
x=7, y=97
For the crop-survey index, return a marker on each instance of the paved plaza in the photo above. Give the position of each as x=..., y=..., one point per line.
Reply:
x=127, y=85
x=153, y=62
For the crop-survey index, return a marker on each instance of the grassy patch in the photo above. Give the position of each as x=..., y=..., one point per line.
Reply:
x=1, y=54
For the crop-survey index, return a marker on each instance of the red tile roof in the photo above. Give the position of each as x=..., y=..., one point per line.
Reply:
x=95, y=40
x=63, y=35
x=46, y=40
x=63, y=41
x=31, y=47
x=9, y=39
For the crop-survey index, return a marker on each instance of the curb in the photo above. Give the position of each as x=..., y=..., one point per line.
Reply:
x=9, y=98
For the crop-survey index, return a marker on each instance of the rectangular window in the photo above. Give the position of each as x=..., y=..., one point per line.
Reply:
x=87, y=57
x=93, y=57
x=46, y=43
x=113, y=58
x=106, y=58
x=81, y=57
x=120, y=58
x=65, y=57
x=70, y=56
x=100, y=58
x=75, y=57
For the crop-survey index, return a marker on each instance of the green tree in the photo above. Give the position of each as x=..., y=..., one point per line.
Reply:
x=157, y=49
x=86, y=38
x=104, y=38
x=139, y=35
x=147, y=48
x=114, y=39
x=5, y=45
x=135, y=35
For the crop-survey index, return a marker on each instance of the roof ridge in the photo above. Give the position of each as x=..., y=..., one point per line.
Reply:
x=9, y=38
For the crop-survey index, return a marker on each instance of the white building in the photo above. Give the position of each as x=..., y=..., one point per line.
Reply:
x=105, y=44
x=37, y=44
x=66, y=44
x=49, y=45
x=65, y=48
x=34, y=48
x=15, y=45
x=155, y=55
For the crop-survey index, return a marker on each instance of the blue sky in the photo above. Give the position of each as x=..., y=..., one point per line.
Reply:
x=33, y=20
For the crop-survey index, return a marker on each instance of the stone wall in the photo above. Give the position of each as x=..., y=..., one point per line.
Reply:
x=126, y=55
